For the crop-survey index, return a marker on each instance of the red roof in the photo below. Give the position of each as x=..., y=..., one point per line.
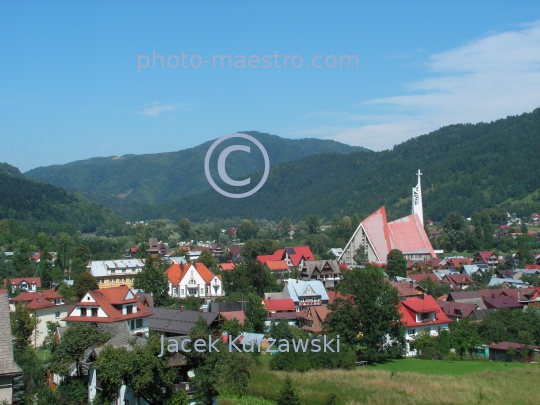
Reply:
x=300, y=252
x=456, y=263
x=277, y=255
x=231, y=315
x=177, y=271
x=38, y=299
x=457, y=280
x=28, y=280
x=227, y=266
x=277, y=265
x=532, y=267
x=376, y=227
x=204, y=272
x=507, y=345
x=408, y=235
x=485, y=255
x=280, y=305
x=107, y=299
x=343, y=266
x=412, y=306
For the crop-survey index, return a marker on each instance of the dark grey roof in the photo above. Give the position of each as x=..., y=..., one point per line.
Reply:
x=113, y=328
x=481, y=313
x=176, y=321
x=226, y=306
x=310, y=266
x=7, y=364
x=125, y=338
x=463, y=295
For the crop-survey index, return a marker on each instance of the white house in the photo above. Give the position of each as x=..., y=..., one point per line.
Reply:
x=28, y=283
x=421, y=315
x=47, y=306
x=305, y=293
x=110, y=305
x=193, y=280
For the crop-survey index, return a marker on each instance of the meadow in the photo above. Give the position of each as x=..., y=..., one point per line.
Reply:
x=407, y=381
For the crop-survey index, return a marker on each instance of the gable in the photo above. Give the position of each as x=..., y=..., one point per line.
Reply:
x=309, y=291
x=88, y=298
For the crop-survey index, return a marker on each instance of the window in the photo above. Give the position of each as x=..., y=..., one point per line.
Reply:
x=132, y=323
x=129, y=309
x=94, y=311
x=192, y=291
x=138, y=323
x=131, y=279
x=181, y=291
x=57, y=314
x=411, y=331
x=83, y=311
x=192, y=282
x=202, y=291
x=175, y=291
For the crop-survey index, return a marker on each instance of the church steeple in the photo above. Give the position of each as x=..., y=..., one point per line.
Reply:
x=417, y=207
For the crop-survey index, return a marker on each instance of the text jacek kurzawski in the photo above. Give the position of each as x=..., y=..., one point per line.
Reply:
x=315, y=345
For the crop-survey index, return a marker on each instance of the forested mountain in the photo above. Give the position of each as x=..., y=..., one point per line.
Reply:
x=466, y=168
x=44, y=207
x=156, y=178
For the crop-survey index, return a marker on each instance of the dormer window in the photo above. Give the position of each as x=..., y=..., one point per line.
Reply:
x=83, y=311
x=129, y=309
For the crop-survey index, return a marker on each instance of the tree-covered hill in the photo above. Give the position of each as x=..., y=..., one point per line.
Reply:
x=44, y=207
x=465, y=168
x=156, y=178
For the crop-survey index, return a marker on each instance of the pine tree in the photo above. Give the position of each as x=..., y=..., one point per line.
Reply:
x=288, y=395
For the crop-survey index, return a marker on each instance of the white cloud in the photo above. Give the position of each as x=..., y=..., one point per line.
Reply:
x=487, y=79
x=155, y=109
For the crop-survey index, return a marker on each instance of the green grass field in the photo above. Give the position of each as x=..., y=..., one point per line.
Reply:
x=407, y=381
x=445, y=367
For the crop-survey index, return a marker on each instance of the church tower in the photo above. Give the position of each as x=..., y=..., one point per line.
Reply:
x=417, y=207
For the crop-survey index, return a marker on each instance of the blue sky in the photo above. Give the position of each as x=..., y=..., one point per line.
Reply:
x=71, y=89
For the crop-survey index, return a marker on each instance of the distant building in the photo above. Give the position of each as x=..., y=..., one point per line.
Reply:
x=47, y=306
x=111, y=305
x=26, y=283
x=112, y=273
x=305, y=293
x=194, y=280
x=327, y=271
x=421, y=315
x=378, y=237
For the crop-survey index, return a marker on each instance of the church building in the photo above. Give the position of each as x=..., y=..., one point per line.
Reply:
x=378, y=236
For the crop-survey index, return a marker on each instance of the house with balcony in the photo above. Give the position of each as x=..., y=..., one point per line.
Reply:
x=487, y=257
x=194, y=280
x=327, y=271
x=111, y=305
x=421, y=315
x=113, y=273
x=47, y=306
x=305, y=293
x=26, y=283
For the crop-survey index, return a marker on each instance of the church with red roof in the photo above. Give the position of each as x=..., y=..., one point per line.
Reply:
x=378, y=236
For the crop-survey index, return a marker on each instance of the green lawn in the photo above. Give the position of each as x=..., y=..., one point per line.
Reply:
x=43, y=354
x=446, y=367
x=443, y=383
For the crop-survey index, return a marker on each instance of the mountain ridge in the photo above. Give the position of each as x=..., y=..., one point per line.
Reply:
x=467, y=167
x=156, y=178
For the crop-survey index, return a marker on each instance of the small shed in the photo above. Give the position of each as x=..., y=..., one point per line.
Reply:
x=511, y=351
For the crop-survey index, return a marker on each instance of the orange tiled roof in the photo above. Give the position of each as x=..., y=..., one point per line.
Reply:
x=277, y=265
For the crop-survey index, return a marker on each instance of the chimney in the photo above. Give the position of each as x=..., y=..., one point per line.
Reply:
x=492, y=295
x=182, y=308
x=412, y=284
